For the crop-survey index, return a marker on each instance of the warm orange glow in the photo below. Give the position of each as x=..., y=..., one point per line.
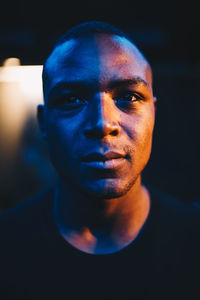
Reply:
x=20, y=92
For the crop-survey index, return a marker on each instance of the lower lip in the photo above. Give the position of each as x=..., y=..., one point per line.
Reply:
x=108, y=164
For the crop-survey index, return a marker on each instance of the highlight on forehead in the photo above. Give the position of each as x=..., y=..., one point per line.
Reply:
x=121, y=42
x=68, y=47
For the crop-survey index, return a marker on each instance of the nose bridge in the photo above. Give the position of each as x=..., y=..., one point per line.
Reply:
x=102, y=109
x=102, y=119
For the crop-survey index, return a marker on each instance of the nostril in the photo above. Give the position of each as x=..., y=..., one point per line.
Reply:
x=101, y=130
x=99, y=133
x=114, y=132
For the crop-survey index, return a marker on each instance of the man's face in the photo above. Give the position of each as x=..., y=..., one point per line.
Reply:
x=98, y=114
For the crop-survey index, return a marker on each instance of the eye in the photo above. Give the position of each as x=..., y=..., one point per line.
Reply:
x=74, y=99
x=70, y=101
x=128, y=97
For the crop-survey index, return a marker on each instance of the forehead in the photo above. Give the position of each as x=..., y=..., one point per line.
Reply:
x=98, y=58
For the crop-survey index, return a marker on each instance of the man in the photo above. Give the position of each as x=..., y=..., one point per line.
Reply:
x=100, y=233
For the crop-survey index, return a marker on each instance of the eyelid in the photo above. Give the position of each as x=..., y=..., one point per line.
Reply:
x=136, y=93
x=131, y=93
x=58, y=98
x=64, y=94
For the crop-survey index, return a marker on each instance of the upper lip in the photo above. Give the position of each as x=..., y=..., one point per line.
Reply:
x=96, y=156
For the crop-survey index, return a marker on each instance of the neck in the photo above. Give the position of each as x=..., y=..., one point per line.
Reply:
x=101, y=225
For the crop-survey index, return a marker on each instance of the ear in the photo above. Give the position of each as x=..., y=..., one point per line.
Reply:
x=155, y=102
x=41, y=120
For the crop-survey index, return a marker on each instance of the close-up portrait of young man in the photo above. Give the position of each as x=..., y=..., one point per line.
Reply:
x=100, y=232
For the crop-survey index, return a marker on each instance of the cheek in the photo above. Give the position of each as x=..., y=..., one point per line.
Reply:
x=145, y=139
x=60, y=136
x=140, y=131
x=62, y=128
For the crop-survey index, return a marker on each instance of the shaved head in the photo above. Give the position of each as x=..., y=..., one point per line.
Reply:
x=93, y=29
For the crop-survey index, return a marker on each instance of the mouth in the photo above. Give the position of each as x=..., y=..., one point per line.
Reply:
x=108, y=160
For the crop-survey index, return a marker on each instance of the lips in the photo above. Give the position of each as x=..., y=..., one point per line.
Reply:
x=92, y=157
x=108, y=161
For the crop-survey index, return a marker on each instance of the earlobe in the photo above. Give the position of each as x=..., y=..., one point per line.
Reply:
x=155, y=102
x=41, y=120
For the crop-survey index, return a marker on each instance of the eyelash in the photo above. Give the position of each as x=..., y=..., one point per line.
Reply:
x=70, y=100
x=124, y=95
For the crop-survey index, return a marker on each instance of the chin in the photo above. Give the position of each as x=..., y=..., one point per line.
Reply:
x=108, y=189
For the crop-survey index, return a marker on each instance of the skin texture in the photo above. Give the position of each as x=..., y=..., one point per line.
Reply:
x=98, y=98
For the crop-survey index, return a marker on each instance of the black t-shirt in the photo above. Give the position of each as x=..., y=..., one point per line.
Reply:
x=162, y=263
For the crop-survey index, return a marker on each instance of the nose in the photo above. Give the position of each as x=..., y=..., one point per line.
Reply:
x=102, y=120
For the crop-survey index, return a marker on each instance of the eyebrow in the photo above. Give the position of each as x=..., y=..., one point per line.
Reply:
x=127, y=81
x=84, y=84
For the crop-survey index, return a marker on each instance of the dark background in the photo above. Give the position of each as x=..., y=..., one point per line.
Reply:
x=168, y=34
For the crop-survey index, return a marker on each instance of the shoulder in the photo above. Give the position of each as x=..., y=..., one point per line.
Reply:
x=175, y=221
x=26, y=218
x=176, y=240
x=173, y=209
x=24, y=232
x=29, y=205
